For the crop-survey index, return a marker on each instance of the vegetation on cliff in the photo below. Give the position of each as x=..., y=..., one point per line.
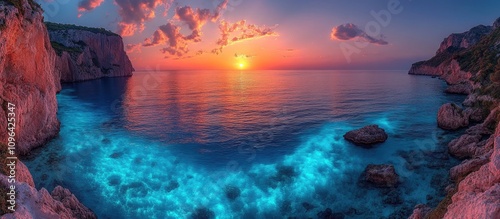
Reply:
x=19, y=4
x=57, y=27
x=59, y=48
x=483, y=59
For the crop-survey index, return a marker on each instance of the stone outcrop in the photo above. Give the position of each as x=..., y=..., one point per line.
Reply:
x=366, y=136
x=452, y=117
x=475, y=192
x=464, y=40
x=444, y=65
x=420, y=212
x=33, y=203
x=383, y=176
x=85, y=53
x=478, y=194
x=27, y=75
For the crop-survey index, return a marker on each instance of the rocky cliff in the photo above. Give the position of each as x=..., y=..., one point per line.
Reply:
x=29, y=81
x=27, y=75
x=444, y=63
x=475, y=192
x=85, y=53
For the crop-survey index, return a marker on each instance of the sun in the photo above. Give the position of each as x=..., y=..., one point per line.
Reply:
x=241, y=65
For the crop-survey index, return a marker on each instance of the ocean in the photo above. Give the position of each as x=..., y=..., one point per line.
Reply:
x=246, y=144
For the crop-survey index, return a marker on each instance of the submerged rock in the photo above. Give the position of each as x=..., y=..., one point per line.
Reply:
x=203, y=213
x=308, y=206
x=383, y=176
x=452, y=117
x=329, y=214
x=367, y=136
x=232, y=192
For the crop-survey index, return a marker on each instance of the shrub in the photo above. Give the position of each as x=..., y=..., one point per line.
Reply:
x=60, y=27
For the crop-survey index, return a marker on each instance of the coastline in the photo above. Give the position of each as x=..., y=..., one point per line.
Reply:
x=475, y=187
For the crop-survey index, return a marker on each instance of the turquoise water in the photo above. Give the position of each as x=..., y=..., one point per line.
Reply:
x=229, y=144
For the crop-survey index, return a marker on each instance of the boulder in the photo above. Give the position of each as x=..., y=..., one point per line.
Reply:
x=71, y=202
x=464, y=146
x=466, y=167
x=420, y=212
x=367, y=136
x=33, y=203
x=383, y=176
x=476, y=114
x=479, y=193
x=462, y=88
x=452, y=117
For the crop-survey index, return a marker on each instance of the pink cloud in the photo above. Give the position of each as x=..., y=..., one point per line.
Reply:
x=350, y=31
x=235, y=32
x=88, y=5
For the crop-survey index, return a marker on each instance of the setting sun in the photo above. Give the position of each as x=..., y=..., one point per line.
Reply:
x=241, y=65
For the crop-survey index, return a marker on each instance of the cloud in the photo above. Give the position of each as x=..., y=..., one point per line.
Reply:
x=88, y=5
x=235, y=32
x=350, y=31
x=133, y=13
x=170, y=35
x=130, y=48
x=236, y=55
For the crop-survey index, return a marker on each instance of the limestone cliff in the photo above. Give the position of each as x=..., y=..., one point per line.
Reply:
x=29, y=81
x=85, y=53
x=475, y=192
x=444, y=63
x=27, y=75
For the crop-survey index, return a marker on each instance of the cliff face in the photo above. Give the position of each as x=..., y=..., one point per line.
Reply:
x=443, y=64
x=464, y=40
x=475, y=192
x=29, y=81
x=27, y=76
x=88, y=53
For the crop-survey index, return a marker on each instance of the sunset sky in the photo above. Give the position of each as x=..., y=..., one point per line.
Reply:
x=276, y=34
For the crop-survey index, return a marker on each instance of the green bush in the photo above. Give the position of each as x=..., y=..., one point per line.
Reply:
x=59, y=48
x=59, y=27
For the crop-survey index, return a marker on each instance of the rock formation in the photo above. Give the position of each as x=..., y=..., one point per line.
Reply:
x=452, y=117
x=27, y=75
x=85, y=53
x=33, y=203
x=469, y=63
x=443, y=64
x=367, y=136
x=383, y=176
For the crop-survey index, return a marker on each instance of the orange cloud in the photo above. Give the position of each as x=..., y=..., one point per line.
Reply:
x=133, y=13
x=241, y=31
x=88, y=5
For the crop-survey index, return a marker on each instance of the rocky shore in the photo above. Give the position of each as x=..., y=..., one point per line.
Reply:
x=32, y=67
x=469, y=63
